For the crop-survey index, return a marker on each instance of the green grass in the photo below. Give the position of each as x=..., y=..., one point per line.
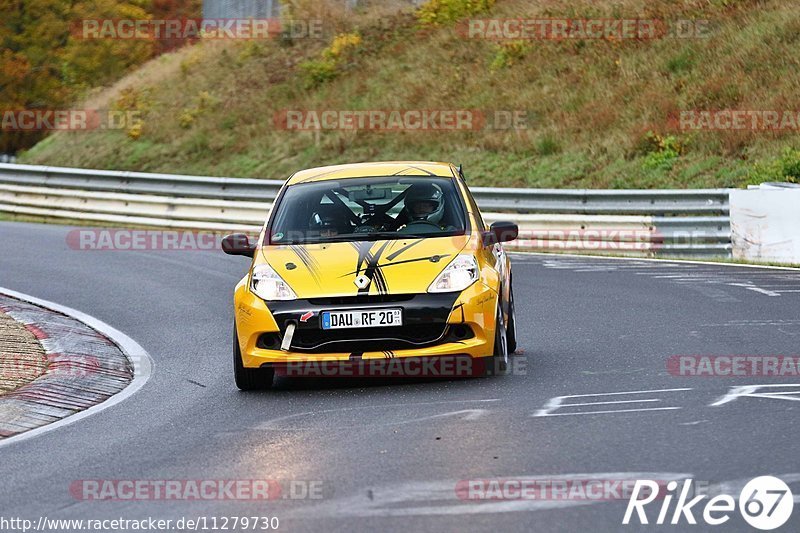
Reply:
x=592, y=106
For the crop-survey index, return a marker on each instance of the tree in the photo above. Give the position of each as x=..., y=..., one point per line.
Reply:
x=47, y=63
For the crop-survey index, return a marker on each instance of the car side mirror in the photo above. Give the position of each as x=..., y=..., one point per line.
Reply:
x=500, y=232
x=238, y=244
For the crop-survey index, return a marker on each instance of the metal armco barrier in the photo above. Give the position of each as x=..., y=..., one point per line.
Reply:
x=631, y=222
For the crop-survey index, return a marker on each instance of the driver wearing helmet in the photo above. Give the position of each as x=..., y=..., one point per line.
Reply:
x=425, y=207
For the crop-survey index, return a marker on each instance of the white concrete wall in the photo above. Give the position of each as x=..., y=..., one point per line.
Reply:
x=765, y=224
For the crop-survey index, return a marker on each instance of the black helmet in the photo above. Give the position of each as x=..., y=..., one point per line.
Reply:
x=425, y=192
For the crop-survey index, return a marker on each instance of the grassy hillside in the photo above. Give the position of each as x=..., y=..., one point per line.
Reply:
x=598, y=110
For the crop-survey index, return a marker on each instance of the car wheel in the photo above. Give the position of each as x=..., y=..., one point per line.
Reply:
x=249, y=378
x=512, y=323
x=497, y=364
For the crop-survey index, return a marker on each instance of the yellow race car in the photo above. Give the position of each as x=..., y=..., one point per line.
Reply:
x=373, y=269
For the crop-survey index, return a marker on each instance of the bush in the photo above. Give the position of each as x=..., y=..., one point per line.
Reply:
x=135, y=130
x=325, y=68
x=342, y=44
x=134, y=104
x=662, y=151
x=133, y=99
x=317, y=71
x=186, y=118
x=784, y=168
x=509, y=53
x=203, y=101
x=437, y=12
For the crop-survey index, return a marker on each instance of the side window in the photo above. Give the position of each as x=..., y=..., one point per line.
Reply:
x=473, y=206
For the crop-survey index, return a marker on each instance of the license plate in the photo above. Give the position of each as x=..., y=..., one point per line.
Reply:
x=371, y=318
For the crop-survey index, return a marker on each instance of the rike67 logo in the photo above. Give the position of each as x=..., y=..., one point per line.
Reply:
x=765, y=503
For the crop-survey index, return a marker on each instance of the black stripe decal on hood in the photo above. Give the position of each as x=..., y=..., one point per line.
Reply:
x=391, y=256
x=363, y=249
x=380, y=279
x=372, y=270
x=309, y=262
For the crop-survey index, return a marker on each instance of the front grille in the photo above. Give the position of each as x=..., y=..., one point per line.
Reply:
x=369, y=339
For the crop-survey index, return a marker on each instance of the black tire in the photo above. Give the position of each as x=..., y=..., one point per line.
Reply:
x=511, y=333
x=249, y=378
x=497, y=364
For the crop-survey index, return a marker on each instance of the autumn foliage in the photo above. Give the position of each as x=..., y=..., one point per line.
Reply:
x=45, y=64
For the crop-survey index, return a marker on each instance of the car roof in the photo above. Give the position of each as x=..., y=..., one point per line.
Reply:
x=377, y=169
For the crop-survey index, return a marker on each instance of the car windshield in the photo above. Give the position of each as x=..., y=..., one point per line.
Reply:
x=394, y=207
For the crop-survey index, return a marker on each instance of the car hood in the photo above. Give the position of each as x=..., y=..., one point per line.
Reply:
x=399, y=266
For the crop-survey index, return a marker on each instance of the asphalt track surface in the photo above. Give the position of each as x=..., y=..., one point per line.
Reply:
x=390, y=454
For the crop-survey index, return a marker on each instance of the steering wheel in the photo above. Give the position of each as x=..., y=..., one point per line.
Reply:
x=426, y=222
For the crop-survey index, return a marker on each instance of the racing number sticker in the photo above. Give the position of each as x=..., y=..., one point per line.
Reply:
x=766, y=503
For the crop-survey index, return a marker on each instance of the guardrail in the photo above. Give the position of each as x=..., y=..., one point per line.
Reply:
x=637, y=222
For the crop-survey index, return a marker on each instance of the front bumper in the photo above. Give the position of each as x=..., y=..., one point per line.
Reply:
x=433, y=325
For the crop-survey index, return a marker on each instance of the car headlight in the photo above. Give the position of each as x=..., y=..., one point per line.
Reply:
x=267, y=284
x=457, y=276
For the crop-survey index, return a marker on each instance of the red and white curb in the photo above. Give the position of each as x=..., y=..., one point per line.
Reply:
x=91, y=366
